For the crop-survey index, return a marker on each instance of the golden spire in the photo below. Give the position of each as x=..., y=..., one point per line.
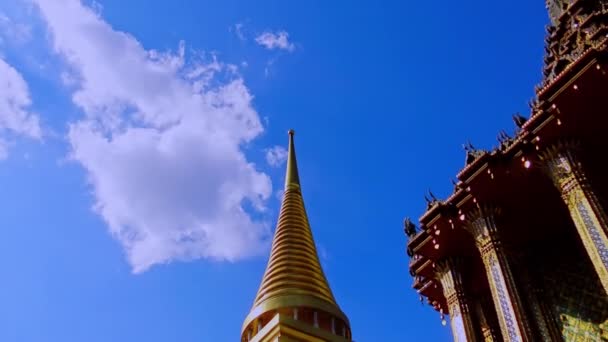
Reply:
x=294, y=280
x=292, y=179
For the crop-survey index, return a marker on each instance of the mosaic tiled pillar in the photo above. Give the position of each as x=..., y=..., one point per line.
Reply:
x=449, y=274
x=511, y=315
x=568, y=175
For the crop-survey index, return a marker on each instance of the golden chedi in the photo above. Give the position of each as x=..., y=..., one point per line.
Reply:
x=294, y=302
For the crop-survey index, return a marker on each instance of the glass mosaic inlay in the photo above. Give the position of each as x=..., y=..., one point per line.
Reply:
x=458, y=328
x=505, y=304
x=594, y=233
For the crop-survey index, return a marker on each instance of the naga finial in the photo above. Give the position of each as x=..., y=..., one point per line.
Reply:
x=409, y=227
x=519, y=120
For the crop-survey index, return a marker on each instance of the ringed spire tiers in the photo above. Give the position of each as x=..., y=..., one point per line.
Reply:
x=294, y=301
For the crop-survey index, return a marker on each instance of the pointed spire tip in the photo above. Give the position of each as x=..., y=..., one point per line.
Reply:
x=292, y=180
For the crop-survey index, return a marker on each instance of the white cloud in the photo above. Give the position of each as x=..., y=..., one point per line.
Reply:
x=68, y=79
x=276, y=156
x=162, y=143
x=13, y=31
x=323, y=255
x=238, y=31
x=279, y=194
x=278, y=40
x=15, y=116
x=269, y=67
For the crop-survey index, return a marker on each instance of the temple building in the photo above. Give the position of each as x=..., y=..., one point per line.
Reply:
x=294, y=301
x=519, y=250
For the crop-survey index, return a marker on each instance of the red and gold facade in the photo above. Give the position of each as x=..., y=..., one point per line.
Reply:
x=519, y=251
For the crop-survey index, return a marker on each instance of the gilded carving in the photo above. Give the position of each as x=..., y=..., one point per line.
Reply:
x=572, y=34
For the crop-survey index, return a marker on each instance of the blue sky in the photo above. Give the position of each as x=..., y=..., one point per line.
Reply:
x=142, y=149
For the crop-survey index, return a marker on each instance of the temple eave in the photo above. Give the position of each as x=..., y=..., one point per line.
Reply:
x=536, y=192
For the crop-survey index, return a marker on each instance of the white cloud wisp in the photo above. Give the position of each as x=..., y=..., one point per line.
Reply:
x=276, y=156
x=13, y=31
x=162, y=143
x=238, y=30
x=275, y=41
x=15, y=116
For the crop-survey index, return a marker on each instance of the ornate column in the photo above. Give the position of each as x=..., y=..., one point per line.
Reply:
x=511, y=314
x=489, y=330
x=541, y=314
x=449, y=274
x=566, y=171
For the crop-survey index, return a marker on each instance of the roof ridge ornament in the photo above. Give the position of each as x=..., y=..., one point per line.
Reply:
x=472, y=153
x=504, y=139
x=430, y=202
x=409, y=227
x=519, y=120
